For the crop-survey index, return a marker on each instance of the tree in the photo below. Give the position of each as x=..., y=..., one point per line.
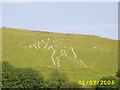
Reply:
x=21, y=77
x=57, y=80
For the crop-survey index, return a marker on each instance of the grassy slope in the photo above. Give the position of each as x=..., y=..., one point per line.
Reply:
x=100, y=62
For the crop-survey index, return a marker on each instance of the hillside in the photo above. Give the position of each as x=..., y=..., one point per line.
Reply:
x=81, y=57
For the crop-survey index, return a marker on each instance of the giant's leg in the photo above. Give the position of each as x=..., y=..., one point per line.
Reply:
x=52, y=57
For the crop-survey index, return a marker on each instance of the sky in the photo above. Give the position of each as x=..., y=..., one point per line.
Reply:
x=59, y=1
x=91, y=18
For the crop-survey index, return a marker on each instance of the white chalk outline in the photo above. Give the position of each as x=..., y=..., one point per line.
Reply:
x=74, y=53
x=46, y=45
x=35, y=46
x=49, y=39
x=52, y=57
x=38, y=44
x=62, y=52
x=59, y=59
x=49, y=47
x=42, y=40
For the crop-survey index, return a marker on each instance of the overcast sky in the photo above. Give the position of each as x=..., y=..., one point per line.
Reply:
x=100, y=18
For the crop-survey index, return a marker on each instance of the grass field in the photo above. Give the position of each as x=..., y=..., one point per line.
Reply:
x=100, y=55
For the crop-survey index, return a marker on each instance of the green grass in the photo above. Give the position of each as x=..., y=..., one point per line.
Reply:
x=100, y=62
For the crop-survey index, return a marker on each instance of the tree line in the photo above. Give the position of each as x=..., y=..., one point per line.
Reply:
x=29, y=78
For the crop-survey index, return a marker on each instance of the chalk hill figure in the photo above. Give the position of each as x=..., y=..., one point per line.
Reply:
x=58, y=51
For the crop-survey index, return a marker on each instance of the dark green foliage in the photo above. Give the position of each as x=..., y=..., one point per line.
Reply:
x=7, y=67
x=119, y=83
x=57, y=80
x=72, y=85
x=118, y=74
x=28, y=78
x=20, y=77
x=113, y=86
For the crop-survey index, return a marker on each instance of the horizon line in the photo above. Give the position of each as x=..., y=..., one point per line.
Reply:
x=60, y=32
